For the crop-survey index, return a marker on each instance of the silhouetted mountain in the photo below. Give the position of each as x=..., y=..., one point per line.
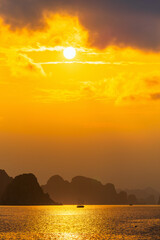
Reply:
x=110, y=194
x=132, y=199
x=122, y=197
x=86, y=189
x=159, y=201
x=4, y=181
x=61, y=189
x=152, y=191
x=83, y=190
x=25, y=190
x=144, y=196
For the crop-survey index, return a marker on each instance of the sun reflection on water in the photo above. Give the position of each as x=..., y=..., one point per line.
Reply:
x=68, y=222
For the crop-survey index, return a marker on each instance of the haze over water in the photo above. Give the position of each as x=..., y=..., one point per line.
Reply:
x=68, y=222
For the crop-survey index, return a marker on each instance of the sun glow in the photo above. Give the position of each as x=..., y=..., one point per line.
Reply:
x=69, y=52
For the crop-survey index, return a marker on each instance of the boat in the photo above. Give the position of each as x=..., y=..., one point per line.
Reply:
x=80, y=206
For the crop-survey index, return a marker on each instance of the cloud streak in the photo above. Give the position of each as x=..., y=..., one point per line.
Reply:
x=82, y=62
x=130, y=23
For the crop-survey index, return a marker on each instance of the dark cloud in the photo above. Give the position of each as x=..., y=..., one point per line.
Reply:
x=154, y=81
x=130, y=98
x=155, y=96
x=123, y=22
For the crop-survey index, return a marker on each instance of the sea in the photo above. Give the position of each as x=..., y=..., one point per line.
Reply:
x=70, y=222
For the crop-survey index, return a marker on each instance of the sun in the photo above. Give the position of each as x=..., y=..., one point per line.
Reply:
x=69, y=52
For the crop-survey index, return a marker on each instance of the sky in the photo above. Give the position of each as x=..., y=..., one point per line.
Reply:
x=96, y=115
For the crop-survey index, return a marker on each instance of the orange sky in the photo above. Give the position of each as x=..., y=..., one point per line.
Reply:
x=95, y=115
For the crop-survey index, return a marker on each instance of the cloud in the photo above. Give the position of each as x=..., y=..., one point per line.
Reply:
x=130, y=23
x=154, y=81
x=21, y=65
x=81, y=62
x=155, y=96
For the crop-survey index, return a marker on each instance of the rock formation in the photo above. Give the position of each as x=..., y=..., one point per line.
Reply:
x=83, y=190
x=25, y=190
x=4, y=181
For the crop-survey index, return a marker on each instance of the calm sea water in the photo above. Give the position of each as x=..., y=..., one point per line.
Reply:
x=69, y=222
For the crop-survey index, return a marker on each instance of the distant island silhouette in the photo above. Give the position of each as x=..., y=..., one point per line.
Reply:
x=83, y=189
x=90, y=191
x=145, y=196
x=25, y=190
x=4, y=181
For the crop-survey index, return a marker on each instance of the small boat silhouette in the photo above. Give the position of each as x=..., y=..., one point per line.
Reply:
x=80, y=206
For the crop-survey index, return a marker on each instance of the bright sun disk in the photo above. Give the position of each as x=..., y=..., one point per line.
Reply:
x=69, y=52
